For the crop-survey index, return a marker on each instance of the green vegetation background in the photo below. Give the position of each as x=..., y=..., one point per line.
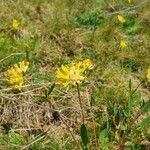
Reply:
x=55, y=32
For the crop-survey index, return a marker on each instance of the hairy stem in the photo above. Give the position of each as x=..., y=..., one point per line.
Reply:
x=80, y=102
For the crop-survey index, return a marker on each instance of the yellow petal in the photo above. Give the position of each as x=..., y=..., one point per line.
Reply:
x=60, y=74
x=129, y=1
x=64, y=69
x=123, y=44
x=148, y=74
x=15, y=24
x=121, y=19
x=23, y=65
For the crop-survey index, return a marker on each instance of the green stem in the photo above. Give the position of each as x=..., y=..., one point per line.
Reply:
x=132, y=93
x=80, y=102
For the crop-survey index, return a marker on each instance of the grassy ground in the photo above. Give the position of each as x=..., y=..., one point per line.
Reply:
x=54, y=32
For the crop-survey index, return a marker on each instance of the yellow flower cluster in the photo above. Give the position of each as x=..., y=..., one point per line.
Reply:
x=148, y=74
x=73, y=73
x=15, y=24
x=14, y=75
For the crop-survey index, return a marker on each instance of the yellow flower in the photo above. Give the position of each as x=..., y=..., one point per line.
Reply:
x=15, y=24
x=123, y=44
x=23, y=65
x=72, y=73
x=14, y=75
x=148, y=74
x=84, y=65
x=121, y=19
x=129, y=1
x=87, y=63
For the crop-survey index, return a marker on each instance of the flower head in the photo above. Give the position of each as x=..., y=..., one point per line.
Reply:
x=123, y=44
x=121, y=19
x=14, y=75
x=148, y=74
x=15, y=24
x=72, y=73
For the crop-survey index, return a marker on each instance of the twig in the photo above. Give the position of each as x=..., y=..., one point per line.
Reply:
x=11, y=56
x=33, y=142
x=127, y=9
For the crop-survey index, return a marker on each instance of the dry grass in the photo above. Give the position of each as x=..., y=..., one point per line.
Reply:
x=52, y=33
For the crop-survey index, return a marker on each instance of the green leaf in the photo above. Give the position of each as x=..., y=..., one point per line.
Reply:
x=28, y=55
x=122, y=126
x=33, y=43
x=103, y=139
x=146, y=107
x=92, y=102
x=130, y=86
x=84, y=135
x=51, y=89
x=16, y=138
x=145, y=122
x=128, y=108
